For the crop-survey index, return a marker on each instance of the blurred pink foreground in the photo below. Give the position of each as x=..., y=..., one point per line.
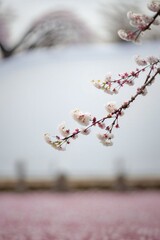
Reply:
x=80, y=216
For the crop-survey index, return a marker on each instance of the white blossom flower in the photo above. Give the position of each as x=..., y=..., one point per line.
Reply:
x=140, y=61
x=80, y=117
x=47, y=138
x=110, y=135
x=105, y=136
x=154, y=5
x=63, y=130
x=152, y=59
x=97, y=83
x=111, y=107
x=129, y=35
x=123, y=35
x=108, y=78
x=105, y=139
x=130, y=15
x=108, y=91
x=55, y=144
x=107, y=143
x=138, y=20
x=101, y=136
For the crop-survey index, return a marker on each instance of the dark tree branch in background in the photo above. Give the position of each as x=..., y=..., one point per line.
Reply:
x=54, y=28
x=6, y=16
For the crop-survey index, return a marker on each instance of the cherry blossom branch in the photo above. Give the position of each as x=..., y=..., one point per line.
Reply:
x=142, y=22
x=112, y=86
x=113, y=113
x=148, y=25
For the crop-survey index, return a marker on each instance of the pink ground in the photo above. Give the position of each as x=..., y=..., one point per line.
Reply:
x=80, y=216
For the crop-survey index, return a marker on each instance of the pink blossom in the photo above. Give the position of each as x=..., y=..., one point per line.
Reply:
x=105, y=139
x=63, y=130
x=47, y=138
x=80, y=117
x=140, y=61
x=111, y=107
x=97, y=83
x=55, y=144
x=152, y=59
x=124, y=35
x=108, y=78
x=128, y=35
x=154, y=5
x=107, y=143
x=138, y=20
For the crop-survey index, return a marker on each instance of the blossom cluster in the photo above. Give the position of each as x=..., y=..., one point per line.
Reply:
x=112, y=86
x=84, y=119
x=149, y=60
x=80, y=117
x=141, y=22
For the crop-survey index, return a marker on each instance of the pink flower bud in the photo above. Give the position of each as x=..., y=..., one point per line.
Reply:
x=80, y=117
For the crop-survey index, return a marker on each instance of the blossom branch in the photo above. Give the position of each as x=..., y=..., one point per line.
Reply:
x=113, y=113
x=148, y=25
x=112, y=86
x=142, y=22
